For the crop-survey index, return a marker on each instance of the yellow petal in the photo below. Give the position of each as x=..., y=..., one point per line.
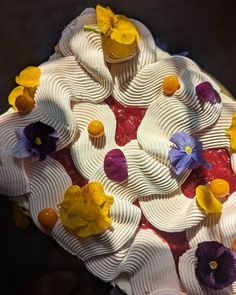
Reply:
x=29, y=77
x=118, y=50
x=206, y=200
x=106, y=207
x=71, y=221
x=124, y=31
x=21, y=220
x=105, y=19
x=73, y=191
x=17, y=91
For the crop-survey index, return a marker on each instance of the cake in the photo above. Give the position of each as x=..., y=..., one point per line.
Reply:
x=125, y=156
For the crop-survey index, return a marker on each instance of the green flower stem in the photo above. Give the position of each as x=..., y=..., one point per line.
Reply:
x=89, y=28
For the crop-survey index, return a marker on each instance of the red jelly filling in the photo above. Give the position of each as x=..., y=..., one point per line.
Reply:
x=128, y=120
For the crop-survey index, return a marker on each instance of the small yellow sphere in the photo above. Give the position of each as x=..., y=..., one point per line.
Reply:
x=24, y=103
x=170, y=84
x=48, y=217
x=95, y=128
x=234, y=245
x=219, y=187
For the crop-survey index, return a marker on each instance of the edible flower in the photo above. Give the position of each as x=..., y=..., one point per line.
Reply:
x=29, y=77
x=21, y=98
x=118, y=31
x=232, y=133
x=206, y=92
x=115, y=165
x=186, y=154
x=216, y=266
x=85, y=210
x=206, y=200
x=21, y=219
x=37, y=140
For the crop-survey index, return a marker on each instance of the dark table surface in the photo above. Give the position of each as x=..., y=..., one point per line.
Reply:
x=31, y=263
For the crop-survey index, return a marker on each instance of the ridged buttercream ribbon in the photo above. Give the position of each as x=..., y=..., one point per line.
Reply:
x=207, y=230
x=13, y=179
x=125, y=221
x=171, y=212
x=140, y=84
x=88, y=153
x=227, y=221
x=48, y=182
x=148, y=261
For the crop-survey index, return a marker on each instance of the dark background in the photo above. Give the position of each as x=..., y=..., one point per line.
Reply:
x=29, y=30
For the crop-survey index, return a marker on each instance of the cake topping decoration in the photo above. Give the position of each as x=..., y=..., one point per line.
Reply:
x=234, y=245
x=95, y=128
x=219, y=187
x=37, y=140
x=29, y=77
x=21, y=99
x=85, y=210
x=206, y=92
x=170, y=84
x=216, y=266
x=121, y=35
x=232, y=133
x=206, y=200
x=186, y=154
x=115, y=165
x=48, y=217
x=21, y=219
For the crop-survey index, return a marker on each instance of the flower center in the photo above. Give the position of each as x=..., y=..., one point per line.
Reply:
x=213, y=264
x=188, y=149
x=37, y=141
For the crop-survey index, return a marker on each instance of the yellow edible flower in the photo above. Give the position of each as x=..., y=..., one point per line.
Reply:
x=232, y=133
x=120, y=35
x=29, y=77
x=85, y=210
x=207, y=201
x=21, y=219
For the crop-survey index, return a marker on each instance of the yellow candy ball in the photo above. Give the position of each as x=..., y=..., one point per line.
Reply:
x=48, y=217
x=95, y=128
x=219, y=187
x=170, y=84
x=24, y=103
x=234, y=245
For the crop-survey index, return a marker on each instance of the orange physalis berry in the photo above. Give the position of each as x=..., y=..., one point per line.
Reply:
x=170, y=84
x=234, y=245
x=95, y=128
x=24, y=103
x=48, y=217
x=219, y=187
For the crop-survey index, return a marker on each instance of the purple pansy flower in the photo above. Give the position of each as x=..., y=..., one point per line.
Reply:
x=216, y=266
x=36, y=140
x=206, y=92
x=186, y=154
x=115, y=165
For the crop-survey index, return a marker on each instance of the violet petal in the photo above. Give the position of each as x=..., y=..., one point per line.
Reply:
x=183, y=164
x=206, y=92
x=115, y=165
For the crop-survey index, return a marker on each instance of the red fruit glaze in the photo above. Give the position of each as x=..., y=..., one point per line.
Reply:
x=64, y=157
x=221, y=168
x=128, y=120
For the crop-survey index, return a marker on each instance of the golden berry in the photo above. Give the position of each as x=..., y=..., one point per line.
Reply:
x=95, y=128
x=219, y=187
x=170, y=84
x=234, y=245
x=48, y=217
x=24, y=103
